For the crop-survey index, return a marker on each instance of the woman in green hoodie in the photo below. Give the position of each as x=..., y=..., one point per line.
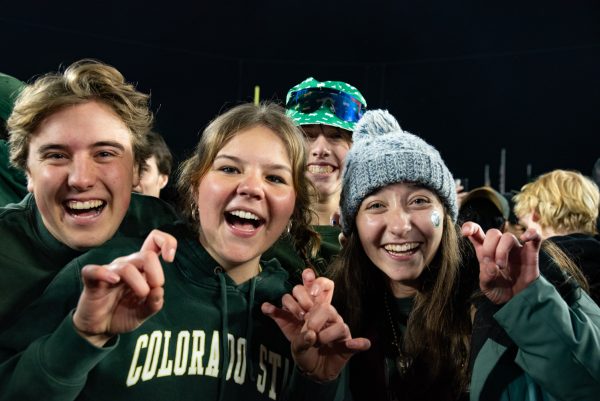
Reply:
x=191, y=327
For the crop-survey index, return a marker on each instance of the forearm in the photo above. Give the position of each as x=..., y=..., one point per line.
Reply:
x=558, y=344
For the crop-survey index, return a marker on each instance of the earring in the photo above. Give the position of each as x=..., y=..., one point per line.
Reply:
x=289, y=227
x=193, y=211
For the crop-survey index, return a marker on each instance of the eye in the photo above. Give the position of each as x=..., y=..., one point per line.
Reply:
x=420, y=201
x=104, y=154
x=228, y=169
x=309, y=137
x=276, y=179
x=375, y=205
x=54, y=156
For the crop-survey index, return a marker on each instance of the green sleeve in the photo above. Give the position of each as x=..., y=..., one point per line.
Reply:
x=13, y=184
x=558, y=344
x=57, y=363
x=42, y=347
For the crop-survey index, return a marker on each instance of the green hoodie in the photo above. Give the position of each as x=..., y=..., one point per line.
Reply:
x=178, y=354
x=30, y=256
x=283, y=250
x=13, y=184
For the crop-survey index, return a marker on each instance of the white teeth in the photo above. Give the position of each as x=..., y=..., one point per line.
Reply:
x=320, y=169
x=84, y=205
x=409, y=246
x=245, y=215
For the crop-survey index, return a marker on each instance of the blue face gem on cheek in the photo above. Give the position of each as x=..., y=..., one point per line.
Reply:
x=435, y=218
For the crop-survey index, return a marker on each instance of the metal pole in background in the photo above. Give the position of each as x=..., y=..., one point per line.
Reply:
x=256, y=94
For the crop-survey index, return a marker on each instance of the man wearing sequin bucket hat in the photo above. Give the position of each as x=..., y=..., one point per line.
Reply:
x=327, y=113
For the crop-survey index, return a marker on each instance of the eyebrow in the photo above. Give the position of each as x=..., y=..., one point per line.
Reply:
x=57, y=146
x=269, y=165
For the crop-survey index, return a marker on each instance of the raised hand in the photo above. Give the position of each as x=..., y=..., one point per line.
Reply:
x=120, y=296
x=321, y=342
x=506, y=266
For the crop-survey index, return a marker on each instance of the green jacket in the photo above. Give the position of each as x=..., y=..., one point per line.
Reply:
x=30, y=256
x=13, y=184
x=551, y=351
x=210, y=341
x=283, y=250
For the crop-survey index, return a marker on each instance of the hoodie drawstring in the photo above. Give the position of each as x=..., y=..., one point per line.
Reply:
x=224, y=332
x=250, y=328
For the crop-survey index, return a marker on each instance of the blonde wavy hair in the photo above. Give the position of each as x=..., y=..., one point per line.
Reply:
x=566, y=201
x=225, y=127
x=83, y=81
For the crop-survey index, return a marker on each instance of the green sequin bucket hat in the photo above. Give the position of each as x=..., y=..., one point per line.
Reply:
x=332, y=103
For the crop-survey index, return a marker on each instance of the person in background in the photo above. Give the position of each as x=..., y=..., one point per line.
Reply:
x=403, y=280
x=486, y=207
x=563, y=206
x=157, y=170
x=13, y=184
x=596, y=178
x=80, y=138
x=203, y=323
x=327, y=113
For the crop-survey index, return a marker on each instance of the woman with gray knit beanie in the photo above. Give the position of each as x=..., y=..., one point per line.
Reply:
x=406, y=277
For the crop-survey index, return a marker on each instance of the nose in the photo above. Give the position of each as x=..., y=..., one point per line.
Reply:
x=320, y=147
x=82, y=175
x=251, y=185
x=399, y=222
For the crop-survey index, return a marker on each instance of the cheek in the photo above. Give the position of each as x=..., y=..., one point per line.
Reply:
x=369, y=229
x=285, y=202
x=341, y=151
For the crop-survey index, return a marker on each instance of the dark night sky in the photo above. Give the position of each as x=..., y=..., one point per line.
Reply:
x=469, y=77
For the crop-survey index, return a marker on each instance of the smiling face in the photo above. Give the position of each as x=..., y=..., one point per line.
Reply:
x=246, y=198
x=327, y=148
x=80, y=171
x=398, y=232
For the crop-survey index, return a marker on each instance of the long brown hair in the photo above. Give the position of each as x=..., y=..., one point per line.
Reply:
x=439, y=325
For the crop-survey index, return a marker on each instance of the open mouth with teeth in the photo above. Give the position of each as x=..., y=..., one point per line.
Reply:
x=242, y=220
x=320, y=169
x=402, y=249
x=85, y=208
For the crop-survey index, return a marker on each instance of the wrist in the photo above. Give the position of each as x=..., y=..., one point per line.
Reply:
x=96, y=339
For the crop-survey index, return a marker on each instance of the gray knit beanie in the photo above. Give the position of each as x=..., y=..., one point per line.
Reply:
x=384, y=154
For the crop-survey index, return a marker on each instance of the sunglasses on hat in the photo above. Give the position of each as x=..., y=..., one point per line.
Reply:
x=309, y=100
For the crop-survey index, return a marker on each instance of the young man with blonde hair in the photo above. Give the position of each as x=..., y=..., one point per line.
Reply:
x=80, y=138
x=563, y=206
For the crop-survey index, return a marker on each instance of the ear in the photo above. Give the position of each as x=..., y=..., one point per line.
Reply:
x=29, y=182
x=136, y=176
x=535, y=216
x=163, y=180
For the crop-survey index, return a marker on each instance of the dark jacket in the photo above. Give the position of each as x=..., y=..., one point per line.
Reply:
x=585, y=252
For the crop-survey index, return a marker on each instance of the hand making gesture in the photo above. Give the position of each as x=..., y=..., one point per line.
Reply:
x=321, y=342
x=120, y=296
x=506, y=266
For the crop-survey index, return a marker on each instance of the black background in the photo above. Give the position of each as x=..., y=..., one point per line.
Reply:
x=469, y=77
